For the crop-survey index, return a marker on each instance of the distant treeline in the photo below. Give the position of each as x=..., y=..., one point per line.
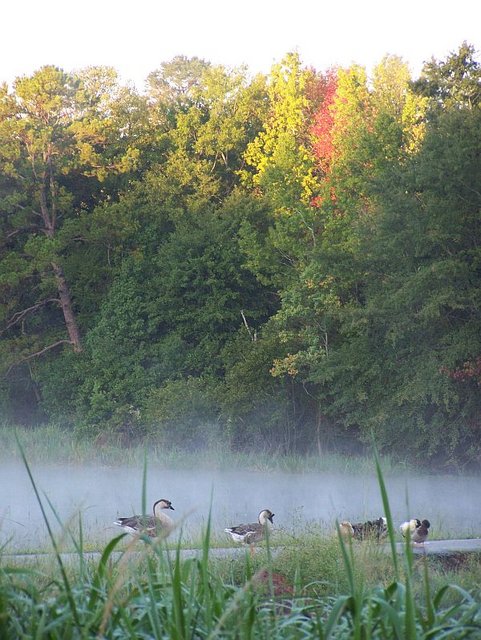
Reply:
x=288, y=262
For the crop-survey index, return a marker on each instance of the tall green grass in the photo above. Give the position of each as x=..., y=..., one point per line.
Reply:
x=53, y=444
x=144, y=590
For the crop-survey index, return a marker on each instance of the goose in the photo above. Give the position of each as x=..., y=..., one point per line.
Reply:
x=421, y=532
x=153, y=526
x=370, y=529
x=409, y=526
x=346, y=530
x=253, y=532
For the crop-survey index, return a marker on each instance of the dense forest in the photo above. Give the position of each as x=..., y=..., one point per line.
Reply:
x=289, y=262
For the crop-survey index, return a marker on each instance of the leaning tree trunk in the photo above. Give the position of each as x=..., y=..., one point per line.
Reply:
x=48, y=208
x=67, y=308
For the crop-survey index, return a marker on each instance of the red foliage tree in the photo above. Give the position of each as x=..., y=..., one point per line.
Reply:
x=321, y=129
x=471, y=370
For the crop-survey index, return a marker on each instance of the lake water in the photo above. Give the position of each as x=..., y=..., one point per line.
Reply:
x=101, y=494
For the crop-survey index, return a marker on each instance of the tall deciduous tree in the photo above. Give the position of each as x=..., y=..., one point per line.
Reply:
x=206, y=115
x=280, y=158
x=280, y=167
x=323, y=122
x=60, y=138
x=454, y=82
x=358, y=133
x=176, y=85
x=36, y=149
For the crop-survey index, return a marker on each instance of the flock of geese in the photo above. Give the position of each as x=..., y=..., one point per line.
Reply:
x=160, y=525
x=417, y=530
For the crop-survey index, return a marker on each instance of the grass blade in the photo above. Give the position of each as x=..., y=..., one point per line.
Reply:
x=387, y=512
x=68, y=589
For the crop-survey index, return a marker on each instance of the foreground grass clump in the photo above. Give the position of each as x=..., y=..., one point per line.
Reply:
x=314, y=565
x=147, y=592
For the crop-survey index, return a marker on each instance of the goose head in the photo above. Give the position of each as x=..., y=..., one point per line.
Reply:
x=266, y=515
x=162, y=504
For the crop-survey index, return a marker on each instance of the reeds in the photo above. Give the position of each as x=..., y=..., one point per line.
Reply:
x=53, y=444
x=144, y=590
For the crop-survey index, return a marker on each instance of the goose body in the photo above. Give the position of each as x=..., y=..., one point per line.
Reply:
x=421, y=533
x=346, y=530
x=409, y=526
x=156, y=525
x=370, y=529
x=253, y=532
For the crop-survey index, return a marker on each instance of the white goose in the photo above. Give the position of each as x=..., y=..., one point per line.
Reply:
x=252, y=532
x=346, y=530
x=409, y=526
x=157, y=525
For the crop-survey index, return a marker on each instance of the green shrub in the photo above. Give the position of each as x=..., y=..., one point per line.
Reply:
x=183, y=412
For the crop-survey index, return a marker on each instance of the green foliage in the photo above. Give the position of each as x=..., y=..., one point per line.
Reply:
x=282, y=165
x=61, y=142
x=197, y=243
x=184, y=413
x=145, y=337
x=176, y=83
x=429, y=290
x=260, y=410
x=389, y=296
x=452, y=83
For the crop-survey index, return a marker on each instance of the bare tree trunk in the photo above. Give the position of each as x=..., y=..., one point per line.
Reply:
x=49, y=215
x=67, y=308
x=318, y=432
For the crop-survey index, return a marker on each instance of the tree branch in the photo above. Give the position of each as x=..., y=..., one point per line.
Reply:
x=252, y=333
x=15, y=232
x=20, y=315
x=36, y=354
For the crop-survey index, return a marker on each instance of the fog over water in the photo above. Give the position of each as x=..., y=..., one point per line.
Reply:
x=101, y=494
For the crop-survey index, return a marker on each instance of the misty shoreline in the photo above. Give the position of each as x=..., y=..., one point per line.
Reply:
x=96, y=496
